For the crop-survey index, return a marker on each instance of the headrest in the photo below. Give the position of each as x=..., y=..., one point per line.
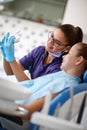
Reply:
x=85, y=77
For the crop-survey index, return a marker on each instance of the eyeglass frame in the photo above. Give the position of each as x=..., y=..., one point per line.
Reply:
x=57, y=43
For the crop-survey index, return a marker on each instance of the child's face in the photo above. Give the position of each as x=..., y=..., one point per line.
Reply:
x=69, y=60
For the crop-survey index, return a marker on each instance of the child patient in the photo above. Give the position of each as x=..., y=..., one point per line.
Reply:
x=72, y=69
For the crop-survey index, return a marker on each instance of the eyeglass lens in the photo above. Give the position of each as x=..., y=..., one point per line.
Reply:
x=57, y=43
x=54, y=40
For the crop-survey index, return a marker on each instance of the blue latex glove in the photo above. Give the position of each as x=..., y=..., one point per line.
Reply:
x=8, y=48
x=2, y=45
x=3, y=54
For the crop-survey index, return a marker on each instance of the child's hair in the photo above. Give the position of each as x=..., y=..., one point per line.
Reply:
x=82, y=51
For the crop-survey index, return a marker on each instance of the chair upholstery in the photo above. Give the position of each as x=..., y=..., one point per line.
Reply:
x=85, y=77
x=65, y=95
x=62, y=98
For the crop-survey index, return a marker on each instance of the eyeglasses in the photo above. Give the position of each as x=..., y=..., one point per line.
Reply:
x=57, y=42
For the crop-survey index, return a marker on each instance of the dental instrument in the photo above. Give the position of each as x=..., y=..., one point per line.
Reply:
x=47, y=103
x=17, y=36
x=69, y=110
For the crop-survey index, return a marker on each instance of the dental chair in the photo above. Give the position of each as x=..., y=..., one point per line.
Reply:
x=68, y=110
x=61, y=103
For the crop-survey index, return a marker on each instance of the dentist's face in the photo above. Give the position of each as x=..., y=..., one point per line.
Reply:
x=56, y=41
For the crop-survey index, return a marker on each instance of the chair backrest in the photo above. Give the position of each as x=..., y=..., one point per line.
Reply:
x=75, y=119
x=62, y=98
x=65, y=95
x=85, y=77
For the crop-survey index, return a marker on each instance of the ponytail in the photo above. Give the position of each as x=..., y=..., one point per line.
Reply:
x=79, y=34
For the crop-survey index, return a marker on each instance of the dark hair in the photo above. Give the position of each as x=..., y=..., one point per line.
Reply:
x=82, y=51
x=73, y=34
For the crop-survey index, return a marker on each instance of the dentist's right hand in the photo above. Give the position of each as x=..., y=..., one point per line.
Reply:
x=7, y=47
x=2, y=45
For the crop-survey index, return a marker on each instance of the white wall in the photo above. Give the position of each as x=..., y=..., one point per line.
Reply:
x=76, y=14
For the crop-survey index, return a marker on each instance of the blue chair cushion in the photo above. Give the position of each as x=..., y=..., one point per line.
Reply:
x=61, y=98
x=85, y=77
x=65, y=95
